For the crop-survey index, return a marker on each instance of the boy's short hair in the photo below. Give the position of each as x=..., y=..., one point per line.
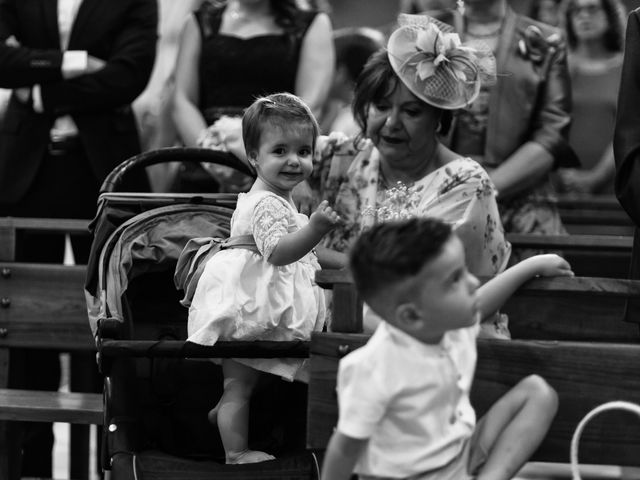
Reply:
x=391, y=252
x=284, y=110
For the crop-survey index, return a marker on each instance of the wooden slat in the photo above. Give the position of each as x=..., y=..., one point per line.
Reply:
x=577, y=201
x=594, y=216
x=222, y=349
x=543, y=285
x=588, y=286
x=326, y=278
x=597, y=319
x=605, y=243
x=62, y=225
x=546, y=308
x=584, y=375
x=39, y=406
x=7, y=242
x=47, y=307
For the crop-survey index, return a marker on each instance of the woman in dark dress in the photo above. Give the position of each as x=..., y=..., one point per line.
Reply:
x=231, y=52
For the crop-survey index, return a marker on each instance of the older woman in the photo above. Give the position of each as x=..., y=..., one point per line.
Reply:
x=399, y=168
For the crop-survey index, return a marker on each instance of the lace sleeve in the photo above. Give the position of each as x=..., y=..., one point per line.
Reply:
x=270, y=223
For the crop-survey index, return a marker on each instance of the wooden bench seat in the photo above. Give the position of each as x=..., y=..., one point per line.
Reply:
x=593, y=214
x=589, y=255
x=560, y=308
x=37, y=406
x=42, y=306
x=573, y=308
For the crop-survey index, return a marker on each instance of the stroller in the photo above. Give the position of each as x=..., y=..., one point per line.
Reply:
x=158, y=388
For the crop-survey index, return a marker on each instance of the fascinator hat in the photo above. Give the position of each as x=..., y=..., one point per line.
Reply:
x=432, y=62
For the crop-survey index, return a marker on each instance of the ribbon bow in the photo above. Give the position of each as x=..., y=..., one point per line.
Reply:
x=436, y=49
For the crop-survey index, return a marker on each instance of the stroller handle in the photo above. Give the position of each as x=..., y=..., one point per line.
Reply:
x=172, y=154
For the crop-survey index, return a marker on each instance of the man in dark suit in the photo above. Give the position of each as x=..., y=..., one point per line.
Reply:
x=74, y=66
x=626, y=144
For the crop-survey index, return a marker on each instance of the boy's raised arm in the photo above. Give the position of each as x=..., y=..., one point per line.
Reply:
x=342, y=454
x=493, y=294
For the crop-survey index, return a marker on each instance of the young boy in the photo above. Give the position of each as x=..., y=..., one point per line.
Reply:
x=404, y=396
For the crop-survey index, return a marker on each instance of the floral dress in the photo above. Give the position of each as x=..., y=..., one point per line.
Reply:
x=459, y=193
x=241, y=296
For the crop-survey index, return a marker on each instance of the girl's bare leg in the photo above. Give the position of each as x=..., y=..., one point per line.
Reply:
x=514, y=427
x=232, y=413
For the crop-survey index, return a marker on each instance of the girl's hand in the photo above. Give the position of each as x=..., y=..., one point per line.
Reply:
x=552, y=265
x=324, y=218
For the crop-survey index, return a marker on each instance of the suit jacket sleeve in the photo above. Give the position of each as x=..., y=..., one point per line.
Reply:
x=626, y=142
x=21, y=66
x=125, y=75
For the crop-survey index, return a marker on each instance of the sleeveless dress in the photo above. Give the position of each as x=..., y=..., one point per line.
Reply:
x=234, y=71
x=241, y=296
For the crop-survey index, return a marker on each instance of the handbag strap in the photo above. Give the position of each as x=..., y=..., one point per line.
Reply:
x=575, y=440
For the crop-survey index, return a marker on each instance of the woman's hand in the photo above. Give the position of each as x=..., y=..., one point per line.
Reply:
x=577, y=181
x=324, y=218
x=551, y=265
x=303, y=198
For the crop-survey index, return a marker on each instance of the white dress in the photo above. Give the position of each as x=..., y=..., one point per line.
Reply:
x=241, y=296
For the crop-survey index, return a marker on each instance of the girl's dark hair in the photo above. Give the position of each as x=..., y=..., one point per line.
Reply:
x=284, y=110
x=616, y=19
x=377, y=81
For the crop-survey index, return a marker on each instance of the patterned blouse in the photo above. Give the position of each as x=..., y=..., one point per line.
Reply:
x=460, y=193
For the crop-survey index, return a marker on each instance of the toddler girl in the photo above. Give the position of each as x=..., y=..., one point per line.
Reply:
x=270, y=295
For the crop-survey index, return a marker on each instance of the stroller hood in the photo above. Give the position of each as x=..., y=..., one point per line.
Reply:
x=149, y=242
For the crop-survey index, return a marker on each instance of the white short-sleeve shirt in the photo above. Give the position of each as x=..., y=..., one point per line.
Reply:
x=410, y=399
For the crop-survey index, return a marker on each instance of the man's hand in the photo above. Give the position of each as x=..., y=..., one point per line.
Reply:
x=94, y=64
x=22, y=94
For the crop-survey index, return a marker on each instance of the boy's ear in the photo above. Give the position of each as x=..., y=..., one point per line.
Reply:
x=408, y=316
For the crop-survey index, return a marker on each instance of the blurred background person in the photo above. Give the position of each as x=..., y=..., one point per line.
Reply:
x=547, y=11
x=153, y=106
x=595, y=33
x=626, y=145
x=518, y=127
x=353, y=48
x=74, y=67
x=430, y=7
x=230, y=53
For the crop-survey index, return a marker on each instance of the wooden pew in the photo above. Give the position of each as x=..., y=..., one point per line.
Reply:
x=559, y=308
x=589, y=255
x=43, y=306
x=594, y=215
x=573, y=308
x=585, y=374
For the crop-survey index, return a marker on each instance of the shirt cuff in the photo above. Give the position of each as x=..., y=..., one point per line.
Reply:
x=74, y=62
x=36, y=96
